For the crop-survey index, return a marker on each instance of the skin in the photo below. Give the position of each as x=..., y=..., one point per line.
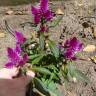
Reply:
x=16, y=86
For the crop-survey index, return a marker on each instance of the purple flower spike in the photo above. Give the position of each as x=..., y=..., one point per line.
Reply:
x=44, y=5
x=75, y=44
x=72, y=47
x=15, y=58
x=42, y=12
x=20, y=38
x=18, y=48
x=13, y=55
x=24, y=60
x=9, y=65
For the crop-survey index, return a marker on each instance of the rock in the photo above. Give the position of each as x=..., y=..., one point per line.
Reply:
x=2, y=34
x=20, y=13
x=9, y=12
x=71, y=93
x=59, y=12
x=74, y=79
x=78, y=4
x=90, y=48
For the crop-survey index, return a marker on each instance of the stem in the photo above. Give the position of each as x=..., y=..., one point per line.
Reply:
x=38, y=92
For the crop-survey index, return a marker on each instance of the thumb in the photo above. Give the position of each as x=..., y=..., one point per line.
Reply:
x=26, y=79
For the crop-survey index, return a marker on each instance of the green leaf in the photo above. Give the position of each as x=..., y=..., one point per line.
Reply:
x=41, y=86
x=41, y=70
x=37, y=28
x=34, y=56
x=81, y=76
x=51, y=87
x=42, y=41
x=53, y=90
x=77, y=73
x=53, y=48
x=37, y=59
x=71, y=70
x=56, y=22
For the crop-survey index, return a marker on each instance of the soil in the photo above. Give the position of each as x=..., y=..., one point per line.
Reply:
x=78, y=21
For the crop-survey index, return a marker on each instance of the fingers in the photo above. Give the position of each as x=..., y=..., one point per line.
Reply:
x=27, y=79
x=30, y=73
x=8, y=73
x=12, y=72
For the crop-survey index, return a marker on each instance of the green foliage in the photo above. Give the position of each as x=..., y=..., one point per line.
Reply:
x=53, y=48
x=56, y=22
x=41, y=86
x=41, y=70
x=49, y=62
x=77, y=73
x=81, y=76
x=36, y=60
x=42, y=41
x=47, y=88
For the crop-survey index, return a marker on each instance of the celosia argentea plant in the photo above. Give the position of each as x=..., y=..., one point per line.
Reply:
x=51, y=63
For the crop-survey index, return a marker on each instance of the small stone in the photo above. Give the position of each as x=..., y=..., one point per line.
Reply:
x=74, y=79
x=31, y=46
x=2, y=34
x=72, y=93
x=59, y=12
x=19, y=13
x=80, y=4
x=90, y=48
x=9, y=12
x=47, y=45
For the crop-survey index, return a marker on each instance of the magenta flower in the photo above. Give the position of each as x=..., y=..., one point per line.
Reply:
x=74, y=44
x=20, y=38
x=42, y=12
x=72, y=47
x=15, y=58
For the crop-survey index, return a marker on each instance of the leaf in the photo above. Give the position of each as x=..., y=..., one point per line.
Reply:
x=90, y=48
x=42, y=41
x=71, y=70
x=53, y=90
x=77, y=73
x=53, y=48
x=34, y=56
x=37, y=28
x=51, y=87
x=56, y=22
x=41, y=70
x=41, y=86
x=37, y=59
x=81, y=76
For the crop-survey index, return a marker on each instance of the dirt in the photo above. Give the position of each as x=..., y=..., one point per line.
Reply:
x=77, y=21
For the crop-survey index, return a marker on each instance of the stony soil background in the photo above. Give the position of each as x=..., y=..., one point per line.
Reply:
x=77, y=21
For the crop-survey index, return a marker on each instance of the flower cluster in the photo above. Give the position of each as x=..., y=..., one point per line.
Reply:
x=71, y=46
x=14, y=54
x=42, y=15
x=42, y=12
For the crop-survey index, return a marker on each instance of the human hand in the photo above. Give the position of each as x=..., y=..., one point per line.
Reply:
x=14, y=87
